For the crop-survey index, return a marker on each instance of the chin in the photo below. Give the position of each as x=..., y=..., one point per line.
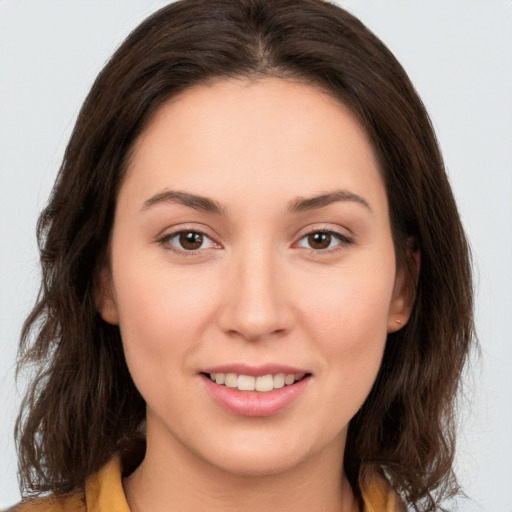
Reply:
x=258, y=457
x=257, y=466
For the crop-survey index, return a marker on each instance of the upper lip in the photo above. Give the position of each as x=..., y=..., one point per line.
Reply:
x=255, y=370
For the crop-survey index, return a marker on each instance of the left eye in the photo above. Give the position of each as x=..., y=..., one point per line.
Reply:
x=189, y=241
x=322, y=240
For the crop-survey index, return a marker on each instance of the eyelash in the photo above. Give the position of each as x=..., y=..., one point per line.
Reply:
x=344, y=240
x=165, y=241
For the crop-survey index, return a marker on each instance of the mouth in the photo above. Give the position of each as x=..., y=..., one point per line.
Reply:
x=255, y=392
x=260, y=384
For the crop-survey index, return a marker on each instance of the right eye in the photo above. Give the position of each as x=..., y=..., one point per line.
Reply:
x=187, y=240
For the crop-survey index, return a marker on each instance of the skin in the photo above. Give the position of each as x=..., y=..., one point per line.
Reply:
x=255, y=292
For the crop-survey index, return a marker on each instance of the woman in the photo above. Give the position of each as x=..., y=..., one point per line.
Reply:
x=256, y=288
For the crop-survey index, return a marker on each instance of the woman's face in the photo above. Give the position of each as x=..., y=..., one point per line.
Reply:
x=251, y=249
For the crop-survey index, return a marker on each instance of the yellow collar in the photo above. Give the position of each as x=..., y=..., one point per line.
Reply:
x=104, y=490
x=377, y=494
x=104, y=493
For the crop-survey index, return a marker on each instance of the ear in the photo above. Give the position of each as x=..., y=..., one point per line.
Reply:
x=105, y=297
x=404, y=291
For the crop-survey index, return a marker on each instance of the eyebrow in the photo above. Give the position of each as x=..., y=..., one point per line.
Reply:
x=205, y=204
x=302, y=204
x=194, y=201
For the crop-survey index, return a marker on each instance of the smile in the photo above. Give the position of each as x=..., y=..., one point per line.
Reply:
x=263, y=383
x=255, y=395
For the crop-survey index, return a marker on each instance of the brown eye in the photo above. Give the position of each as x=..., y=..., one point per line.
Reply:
x=324, y=241
x=319, y=240
x=190, y=240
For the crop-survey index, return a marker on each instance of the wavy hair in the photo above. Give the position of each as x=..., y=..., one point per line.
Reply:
x=82, y=406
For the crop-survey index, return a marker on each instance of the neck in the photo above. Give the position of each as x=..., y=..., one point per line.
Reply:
x=170, y=477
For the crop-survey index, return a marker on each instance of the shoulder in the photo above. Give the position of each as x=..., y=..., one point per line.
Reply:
x=74, y=502
x=103, y=492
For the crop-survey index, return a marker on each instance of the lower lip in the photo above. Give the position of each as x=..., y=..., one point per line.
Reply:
x=253, y=403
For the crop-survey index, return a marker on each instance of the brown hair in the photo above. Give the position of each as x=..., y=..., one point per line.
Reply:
x=82, y=406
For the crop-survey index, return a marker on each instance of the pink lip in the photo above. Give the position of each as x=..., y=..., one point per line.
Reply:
x=253, y=403
x=255, y=371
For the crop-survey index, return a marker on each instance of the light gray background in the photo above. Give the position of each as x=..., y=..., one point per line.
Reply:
x=458, y=54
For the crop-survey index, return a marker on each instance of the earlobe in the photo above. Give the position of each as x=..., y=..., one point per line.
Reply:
x=105, y=298
x=404, y=292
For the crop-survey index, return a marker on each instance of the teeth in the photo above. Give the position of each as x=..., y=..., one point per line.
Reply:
x=279, y=380
x=231, y=380
x=246, y=383
x=265, y=383
x=289, y=379
x=262, y=384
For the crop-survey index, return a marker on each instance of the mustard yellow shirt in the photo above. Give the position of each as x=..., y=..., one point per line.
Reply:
x=104, y=493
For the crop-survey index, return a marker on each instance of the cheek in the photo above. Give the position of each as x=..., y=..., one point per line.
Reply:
x=160, y=318
x=351, y=303
x=350, y=332
x=160, y=314
x=347, y=315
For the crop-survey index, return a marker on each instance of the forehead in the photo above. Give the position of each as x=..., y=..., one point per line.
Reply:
x=234, y=134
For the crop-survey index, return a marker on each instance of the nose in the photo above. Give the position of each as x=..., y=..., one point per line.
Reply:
x=255, y=303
